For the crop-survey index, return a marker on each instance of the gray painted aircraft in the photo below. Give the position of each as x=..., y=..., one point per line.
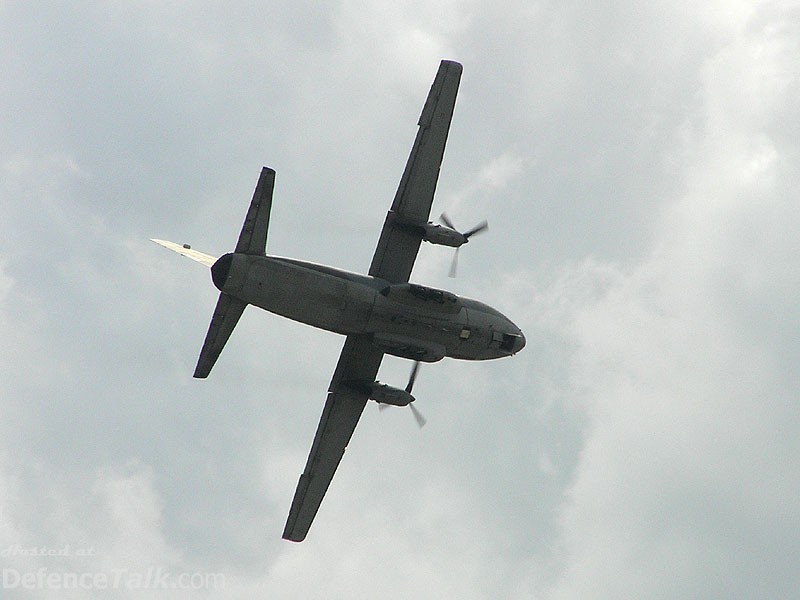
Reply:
x=380, y=313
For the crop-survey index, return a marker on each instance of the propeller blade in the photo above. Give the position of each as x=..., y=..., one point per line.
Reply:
x=413, y=377
x=446, y=220
x=417, y=415
x=454, y=264
x=483, y=226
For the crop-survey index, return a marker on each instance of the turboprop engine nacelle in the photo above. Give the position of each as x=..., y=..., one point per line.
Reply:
x=443, y=236
x=386, y=394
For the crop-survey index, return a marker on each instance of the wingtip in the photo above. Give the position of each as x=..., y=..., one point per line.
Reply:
x=288, y=537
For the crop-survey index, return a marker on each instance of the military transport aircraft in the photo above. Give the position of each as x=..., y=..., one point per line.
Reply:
x=380, y=313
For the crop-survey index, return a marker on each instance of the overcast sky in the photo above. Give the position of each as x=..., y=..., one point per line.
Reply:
x=638, y=165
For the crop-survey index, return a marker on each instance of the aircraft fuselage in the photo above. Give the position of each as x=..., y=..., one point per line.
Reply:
x=406, y=320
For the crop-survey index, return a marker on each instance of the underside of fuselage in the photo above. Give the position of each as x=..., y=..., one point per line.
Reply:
x=406, y=320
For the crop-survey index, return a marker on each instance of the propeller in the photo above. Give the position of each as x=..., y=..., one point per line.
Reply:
x=454, y=264
x=482, y=226
x=412, y=378
x=417, y=415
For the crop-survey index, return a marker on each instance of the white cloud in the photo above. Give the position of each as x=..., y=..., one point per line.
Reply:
x=637, y=165
x=129, y=518
x=111, y=531
x=687, y=470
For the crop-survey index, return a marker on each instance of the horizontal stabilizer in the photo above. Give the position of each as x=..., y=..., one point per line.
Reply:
x=253, y=237
x=226, y=315
x=187, y=251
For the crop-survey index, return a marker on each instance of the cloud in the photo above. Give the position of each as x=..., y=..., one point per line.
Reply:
x=687, y=468
x=637, y=165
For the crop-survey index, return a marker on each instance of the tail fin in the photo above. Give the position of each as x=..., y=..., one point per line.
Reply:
x=252, y=240
x=186, y=250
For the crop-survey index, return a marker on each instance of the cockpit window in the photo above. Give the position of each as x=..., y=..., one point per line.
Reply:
x=508, y=342
x=471, y=304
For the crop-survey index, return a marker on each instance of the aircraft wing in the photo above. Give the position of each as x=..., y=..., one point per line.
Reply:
x=399, y=244
x=359, y=361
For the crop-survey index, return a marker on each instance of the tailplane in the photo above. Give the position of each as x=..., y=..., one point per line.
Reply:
x=252, y=240
x=226, y=315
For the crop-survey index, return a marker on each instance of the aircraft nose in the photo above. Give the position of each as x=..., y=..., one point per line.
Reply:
x=520, y=343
